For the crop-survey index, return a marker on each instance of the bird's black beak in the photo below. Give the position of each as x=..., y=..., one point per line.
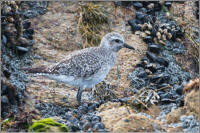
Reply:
x=128, y=46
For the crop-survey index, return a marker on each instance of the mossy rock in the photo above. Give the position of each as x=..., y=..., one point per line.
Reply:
x=47, y=125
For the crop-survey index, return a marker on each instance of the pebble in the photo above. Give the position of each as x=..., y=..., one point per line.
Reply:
x=26, y=24
x=150, y=6
x=137, y=5
x=22, y=49
x=4, y=39
x=140, y=16
x=99, y=125
x=154, y=48
x=168, y=4
x=4, y=100
x=148, y=39
x=134, y=25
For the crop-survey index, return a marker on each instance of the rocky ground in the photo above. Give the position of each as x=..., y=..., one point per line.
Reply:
x=154, y=88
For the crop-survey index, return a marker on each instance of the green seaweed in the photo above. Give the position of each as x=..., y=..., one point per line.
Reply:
x=47, y=125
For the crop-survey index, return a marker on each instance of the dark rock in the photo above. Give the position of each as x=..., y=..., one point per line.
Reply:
x=137, y=5
x=162, y=85
x=87, y=125
x=134, y=26
x=160, y=68
x=139, y=21
x=127, y=3
x=92, y=107
x=166, y=96
x=31, y=42
x=157, y=7
x=143, y=10
x=149, y=19
x=154, y=48
x=162, y=61
x=98, y=125
x=28, y=34
x=6, y=73
x=114, y=100
x=142, y=74
x=96, y=119
x=167, y=101
x=180, y=101
x=151, y=67
x=26, y=24
x=140, y=16
x=134, y=90
x=168, y=4
x=3, y=88
x=153, y=32
x=160, y=78
x=22, y=49
x=4, y=100
x=118, y=3
x=68, y=116
x=4, y=39
x=83, y=109
x=179, y=90
x=157, y=78
x=151, y=56
x=30, y=31
x=102, y=130
x=148, y=39
x=145, y=3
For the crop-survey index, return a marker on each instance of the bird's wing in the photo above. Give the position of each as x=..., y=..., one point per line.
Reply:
x=81, y=64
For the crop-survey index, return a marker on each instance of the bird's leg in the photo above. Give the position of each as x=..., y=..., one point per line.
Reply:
x=79, y=94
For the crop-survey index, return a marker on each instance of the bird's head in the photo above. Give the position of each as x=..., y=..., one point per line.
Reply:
x=115, y=42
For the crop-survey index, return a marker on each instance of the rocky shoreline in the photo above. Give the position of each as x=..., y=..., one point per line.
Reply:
x=160, y=86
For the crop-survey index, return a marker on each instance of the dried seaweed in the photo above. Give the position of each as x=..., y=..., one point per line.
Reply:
x=92, y=18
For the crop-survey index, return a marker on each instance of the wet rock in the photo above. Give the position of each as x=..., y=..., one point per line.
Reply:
x=26, y=24
x=33, y=8
x=23, y=41
x=143, y=10
x=158, y=79
x=134, y=25
x=151, y=67
x=179, y=90
x=4, y=100
x=162, y=61
x=142, y=74
x=4, y=39
x=167, y=101
x=22, y=49
x=151, y=56
x=98, y=125
x=137, y=5
x=83, y=109
x=96, y=119
x=148, y=39
x=28, y=34
x=137, y=82
x=168, y=4
x=140, y=16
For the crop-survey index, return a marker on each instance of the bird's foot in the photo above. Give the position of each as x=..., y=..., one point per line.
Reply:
x=78, y=95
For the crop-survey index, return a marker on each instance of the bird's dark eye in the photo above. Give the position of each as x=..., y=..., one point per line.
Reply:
x=117, y=40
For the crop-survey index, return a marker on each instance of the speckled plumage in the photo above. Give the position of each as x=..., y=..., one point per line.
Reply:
x=87, y=67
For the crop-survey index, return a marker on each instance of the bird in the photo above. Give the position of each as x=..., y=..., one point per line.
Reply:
x=86, y=67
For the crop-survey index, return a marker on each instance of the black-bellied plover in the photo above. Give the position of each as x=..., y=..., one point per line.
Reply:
x=87, y=67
